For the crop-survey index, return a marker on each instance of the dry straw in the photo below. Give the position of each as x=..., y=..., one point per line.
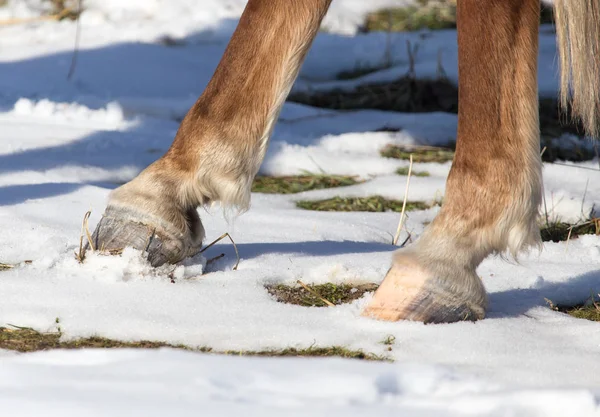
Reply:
x=402, y=213
x=223, y=236
x=84, y=231
x=17, y=21
x=316, y=294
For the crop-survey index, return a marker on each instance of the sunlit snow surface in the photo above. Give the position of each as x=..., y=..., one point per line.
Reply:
x=66, y=143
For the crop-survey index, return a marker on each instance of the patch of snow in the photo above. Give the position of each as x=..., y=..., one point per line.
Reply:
x=67, y=143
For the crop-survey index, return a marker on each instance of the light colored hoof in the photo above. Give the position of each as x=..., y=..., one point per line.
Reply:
x=427, y=291
x=121, y=227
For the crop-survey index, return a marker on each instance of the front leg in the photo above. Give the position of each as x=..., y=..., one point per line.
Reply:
x=222, y=140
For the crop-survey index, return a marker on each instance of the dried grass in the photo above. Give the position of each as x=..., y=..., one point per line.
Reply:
x=419, y=153
x=426, y=14
x=558, y=231
x=319, y=295
x=372, y=204
x=407, y=94
x=24, y=339
x=434, y=15
x=300, y=183
x=223, y=236
x=589, y=310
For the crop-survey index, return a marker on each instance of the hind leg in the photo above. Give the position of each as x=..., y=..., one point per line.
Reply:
x=494, y=188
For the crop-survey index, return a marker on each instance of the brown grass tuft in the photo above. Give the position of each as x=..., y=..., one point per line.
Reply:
x=315, y=294
x=300, y=183
x=373, y=204
x=560, y=231
x=23, y=339
x=419, y=153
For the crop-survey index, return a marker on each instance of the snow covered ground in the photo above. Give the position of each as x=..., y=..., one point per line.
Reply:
x=64, y=144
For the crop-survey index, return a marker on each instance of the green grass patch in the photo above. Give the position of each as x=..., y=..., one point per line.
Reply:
x=432, y=15
x=22, y=339
x=334, y=293
x=373, y=204
x=419, y=154
x=300, y=183
x=586, y=312
x=337, y=351
x=404, y=171
x=427, y=14
x=558, y=231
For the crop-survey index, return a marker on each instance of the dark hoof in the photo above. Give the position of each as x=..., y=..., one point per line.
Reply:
x=120, y=228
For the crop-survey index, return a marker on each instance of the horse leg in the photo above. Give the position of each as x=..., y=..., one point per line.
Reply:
x=222, y=140
x=494, y=188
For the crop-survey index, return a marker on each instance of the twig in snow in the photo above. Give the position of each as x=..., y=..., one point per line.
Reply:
x=223, y=236
x=401, y=222
x=595, y=221
x=211, y=260
x=77, y=38
x=551, y=304
x=316, y=294
x=544, y=194
x=441, y=72
x=412, y=54
x=584, y=195
x=84, y=231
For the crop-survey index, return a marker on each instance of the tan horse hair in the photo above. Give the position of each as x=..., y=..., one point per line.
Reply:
x=493, y=190
x=578, y=39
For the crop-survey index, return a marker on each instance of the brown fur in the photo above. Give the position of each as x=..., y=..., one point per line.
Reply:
x=494, y=188
x=223, y=138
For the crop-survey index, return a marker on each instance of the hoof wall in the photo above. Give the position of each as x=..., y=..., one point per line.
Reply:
x=412, y=292
x=118, y=229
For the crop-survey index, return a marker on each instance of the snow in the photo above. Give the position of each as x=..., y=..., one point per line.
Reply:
x=184, y=384
x=67, y=143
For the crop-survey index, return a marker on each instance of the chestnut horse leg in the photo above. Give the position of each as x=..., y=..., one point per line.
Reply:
x=494, y=188
x=222, y=140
